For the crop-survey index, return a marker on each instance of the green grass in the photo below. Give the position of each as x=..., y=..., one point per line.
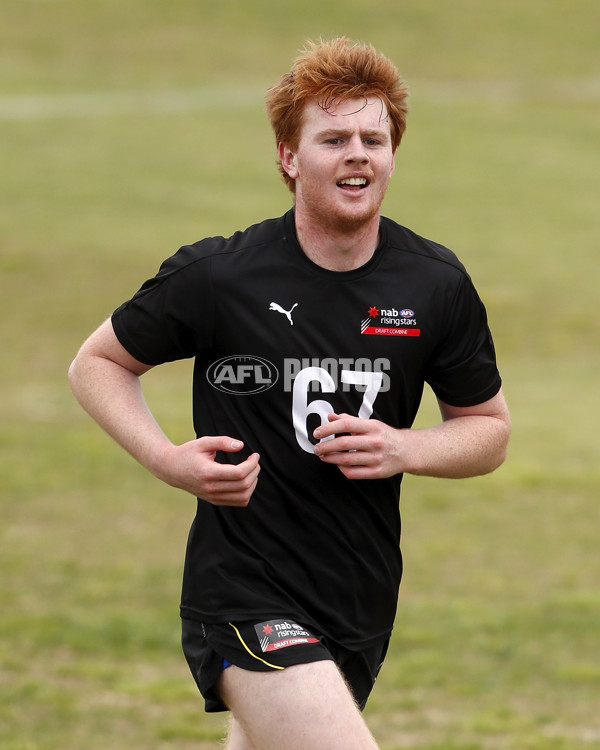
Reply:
x=496, y=643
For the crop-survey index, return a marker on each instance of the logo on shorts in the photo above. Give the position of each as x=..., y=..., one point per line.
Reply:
x=276, y=634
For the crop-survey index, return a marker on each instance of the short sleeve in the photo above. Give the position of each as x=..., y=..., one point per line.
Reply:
x=171, y=315
x=463, y=369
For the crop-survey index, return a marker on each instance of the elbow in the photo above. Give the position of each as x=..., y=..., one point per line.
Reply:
x=74, y=376
x=500, y=454
x=71, y=373
x=497, y=460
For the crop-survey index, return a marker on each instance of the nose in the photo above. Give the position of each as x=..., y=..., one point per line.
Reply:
x=356, y=152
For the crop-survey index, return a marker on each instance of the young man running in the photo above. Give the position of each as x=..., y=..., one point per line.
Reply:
x=313, y=335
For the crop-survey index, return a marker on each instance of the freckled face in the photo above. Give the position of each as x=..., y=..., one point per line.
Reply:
x=342, y=164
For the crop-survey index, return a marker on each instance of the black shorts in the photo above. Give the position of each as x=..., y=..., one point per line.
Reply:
x=268, y=646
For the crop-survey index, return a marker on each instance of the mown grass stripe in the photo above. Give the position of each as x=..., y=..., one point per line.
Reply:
x=234, y=97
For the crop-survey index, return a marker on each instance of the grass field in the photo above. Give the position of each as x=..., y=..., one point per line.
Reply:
x=130, y=128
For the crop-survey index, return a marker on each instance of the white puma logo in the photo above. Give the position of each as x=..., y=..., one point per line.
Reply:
x=279, y=309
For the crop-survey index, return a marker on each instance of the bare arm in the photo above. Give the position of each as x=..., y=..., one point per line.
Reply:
x=469, y=441
x=105, y=379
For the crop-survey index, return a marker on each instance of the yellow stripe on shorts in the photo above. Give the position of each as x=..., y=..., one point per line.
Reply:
x=254, y=656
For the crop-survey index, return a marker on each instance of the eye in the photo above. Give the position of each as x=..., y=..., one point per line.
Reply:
x=371, y=141
x=334, y=141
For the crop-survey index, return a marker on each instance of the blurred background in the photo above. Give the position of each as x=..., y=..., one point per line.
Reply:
x=130, y=128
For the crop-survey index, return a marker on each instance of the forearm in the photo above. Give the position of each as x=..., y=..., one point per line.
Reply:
x=469, y=441
x=112, y=395
x=105, y=379
x=455, y=449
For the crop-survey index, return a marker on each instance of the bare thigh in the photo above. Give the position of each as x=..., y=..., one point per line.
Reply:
x=237, y=739
x=303, y=707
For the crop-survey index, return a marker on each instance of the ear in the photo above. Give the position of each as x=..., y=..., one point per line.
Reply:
x=393, y=167
x=288, y=160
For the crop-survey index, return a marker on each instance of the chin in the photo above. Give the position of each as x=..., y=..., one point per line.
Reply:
x=352, y=221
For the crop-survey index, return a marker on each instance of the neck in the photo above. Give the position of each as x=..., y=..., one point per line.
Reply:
x=335, y=247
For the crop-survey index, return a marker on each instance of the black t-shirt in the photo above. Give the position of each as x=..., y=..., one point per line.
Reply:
x=280, y=342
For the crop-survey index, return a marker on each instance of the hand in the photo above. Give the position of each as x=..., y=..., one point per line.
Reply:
x=365, y=448
x=192, y=467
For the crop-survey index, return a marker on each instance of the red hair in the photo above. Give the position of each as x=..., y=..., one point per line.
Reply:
x=330, y=72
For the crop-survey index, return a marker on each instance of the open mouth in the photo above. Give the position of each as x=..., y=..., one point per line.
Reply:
x=353, y=183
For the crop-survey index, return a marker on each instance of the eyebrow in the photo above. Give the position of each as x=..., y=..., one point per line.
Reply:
x=335, y=132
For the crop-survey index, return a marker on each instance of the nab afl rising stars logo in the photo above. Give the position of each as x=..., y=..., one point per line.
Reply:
x=388, y=321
